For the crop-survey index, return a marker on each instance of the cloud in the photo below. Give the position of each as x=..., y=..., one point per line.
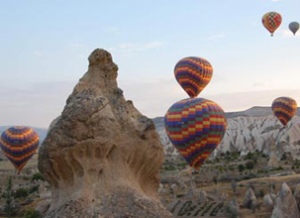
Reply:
x=77, y=46
x=286, y=33
x=154, y=97
x=238, y=101
x=37, y=105
x=216, y=36
x=137, y=47
x=38, y=53
x=259, y=84
x=112, y=29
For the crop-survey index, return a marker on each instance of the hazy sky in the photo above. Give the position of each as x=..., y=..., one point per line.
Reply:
x=44, y=47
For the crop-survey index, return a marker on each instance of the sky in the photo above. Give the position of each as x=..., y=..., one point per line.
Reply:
x=44, y=46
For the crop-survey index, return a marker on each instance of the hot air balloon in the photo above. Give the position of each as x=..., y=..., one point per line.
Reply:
x=271, y=21
x=284, y=108
x=195, y=126
x=193, y=74
x=19, y=144
x=294, y=27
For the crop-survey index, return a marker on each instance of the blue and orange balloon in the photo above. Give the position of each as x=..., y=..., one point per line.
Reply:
x=193, y=74
x=271, y=21
x=195, y=126
x=19, y=144
x=284, y=108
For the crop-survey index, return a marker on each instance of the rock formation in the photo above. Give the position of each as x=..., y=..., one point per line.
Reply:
x=232, y=208
x=250, y=200
x=297, y=195
x=101, y=156
x=268, y=201
x=273, y=161
x=256, y=129
x=285, y=204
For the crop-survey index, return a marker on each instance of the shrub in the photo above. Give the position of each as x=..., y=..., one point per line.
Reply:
x=249, y=156
x=34, y=188
x=260, y=193
x=37, y=176
x=31, y=213
x=241, y=167
x=21, y=193
x=250, y=165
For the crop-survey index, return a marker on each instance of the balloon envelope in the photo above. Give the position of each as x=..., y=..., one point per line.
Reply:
x=294, y=27
x=271, y=21
x=195, y=126
x=19, y=144
x=284, y=108
x=193, y=74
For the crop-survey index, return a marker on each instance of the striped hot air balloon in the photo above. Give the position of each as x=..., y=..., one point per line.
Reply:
x=19, y=144
x=193, y=74
x=195, y=126
x=284, y=108
x=271, y=21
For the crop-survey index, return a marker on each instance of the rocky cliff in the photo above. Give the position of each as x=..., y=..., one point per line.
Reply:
x=101, y=156
x=251, y=130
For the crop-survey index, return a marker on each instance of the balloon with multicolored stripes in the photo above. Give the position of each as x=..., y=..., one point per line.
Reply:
x=19, y=144
x=284, y=108
x=193, y=74
x=195, y=126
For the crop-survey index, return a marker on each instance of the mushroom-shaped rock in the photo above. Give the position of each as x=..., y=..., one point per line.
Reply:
x=101, y=156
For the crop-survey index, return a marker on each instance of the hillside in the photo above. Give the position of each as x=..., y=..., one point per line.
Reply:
x=250, y=130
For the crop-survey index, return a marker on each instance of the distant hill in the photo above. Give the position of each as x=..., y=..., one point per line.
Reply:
x=250, y=130
x=256, y=111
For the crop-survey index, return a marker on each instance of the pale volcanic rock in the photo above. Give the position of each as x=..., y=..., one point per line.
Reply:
x=285, y=204
x=250, y=200
x=256, y=129
x=102, y=157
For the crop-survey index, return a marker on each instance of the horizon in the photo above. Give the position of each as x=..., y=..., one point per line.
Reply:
x=43, y=56
x=152, y=118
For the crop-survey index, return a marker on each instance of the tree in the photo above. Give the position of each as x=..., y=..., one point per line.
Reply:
x=31, y=213
x=37, y=176
x=8, y=208
x=215, y=179
x=250, y=165
x=233, y=185
x=241, y=167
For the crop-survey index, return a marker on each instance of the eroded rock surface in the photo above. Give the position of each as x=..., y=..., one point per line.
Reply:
x=101, y=156
x=285, y=204
x=250, y=200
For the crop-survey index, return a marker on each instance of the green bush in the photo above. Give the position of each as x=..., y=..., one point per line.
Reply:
x=250, y=165
x=33, y=189
x=31, y=213
x=249, y=156
x=37, y=176
x=260, y=193
x=21, y=193
x=241, y=167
